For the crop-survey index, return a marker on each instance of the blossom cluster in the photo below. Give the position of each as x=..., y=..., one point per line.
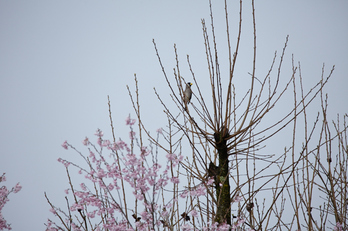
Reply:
x=123, y=178
x=4, y=192
x=338, y=227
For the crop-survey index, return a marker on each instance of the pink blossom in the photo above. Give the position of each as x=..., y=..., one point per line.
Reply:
x=199, y=191
x=66, y=191
x=139, y=196
x=186, y=227
x=169, y=205
x=145, y=215
x=65, y=145
x=144, y=151
x=184, y=194
x=181, y=157
x=83, y=187
x=110, y=187
x=66, y=163
x=99, y=133
x=194, y=213
x=131, y=135
x=224, y=227
x=3, y=177
x=217, y=227
x=164, y=213
x=106, y=143
x=99, y=141
x=237, y=198
x=171, y=157
x=17, y=188
x=91, y=214
x=121, y=144
x=91, y=154
x=210, y=181
x=159, y=130
x=338, y=227
x=52, y=210
x=175, y=180
x=85, y=141
x=114, y=147
x=3, y=194
x=240, y=222
x=130, y=121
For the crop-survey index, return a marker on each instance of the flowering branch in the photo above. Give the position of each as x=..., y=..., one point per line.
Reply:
x=4, y=192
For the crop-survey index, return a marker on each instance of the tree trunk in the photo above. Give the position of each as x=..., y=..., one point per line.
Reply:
x=223, y=212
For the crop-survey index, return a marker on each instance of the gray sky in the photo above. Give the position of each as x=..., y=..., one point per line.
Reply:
x=60, y=59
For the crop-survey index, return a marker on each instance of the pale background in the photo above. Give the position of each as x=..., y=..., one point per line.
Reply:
x=60, y=59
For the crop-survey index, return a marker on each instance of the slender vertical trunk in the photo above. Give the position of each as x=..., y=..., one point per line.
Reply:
x=223, y=213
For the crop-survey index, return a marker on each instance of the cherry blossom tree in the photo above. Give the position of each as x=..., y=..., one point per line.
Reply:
x=129, y=191
x=4, y=193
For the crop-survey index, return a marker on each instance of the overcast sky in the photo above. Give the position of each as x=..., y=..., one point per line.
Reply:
x=60, y=59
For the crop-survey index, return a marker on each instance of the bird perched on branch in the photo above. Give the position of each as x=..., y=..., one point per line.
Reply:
x=187, y=94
